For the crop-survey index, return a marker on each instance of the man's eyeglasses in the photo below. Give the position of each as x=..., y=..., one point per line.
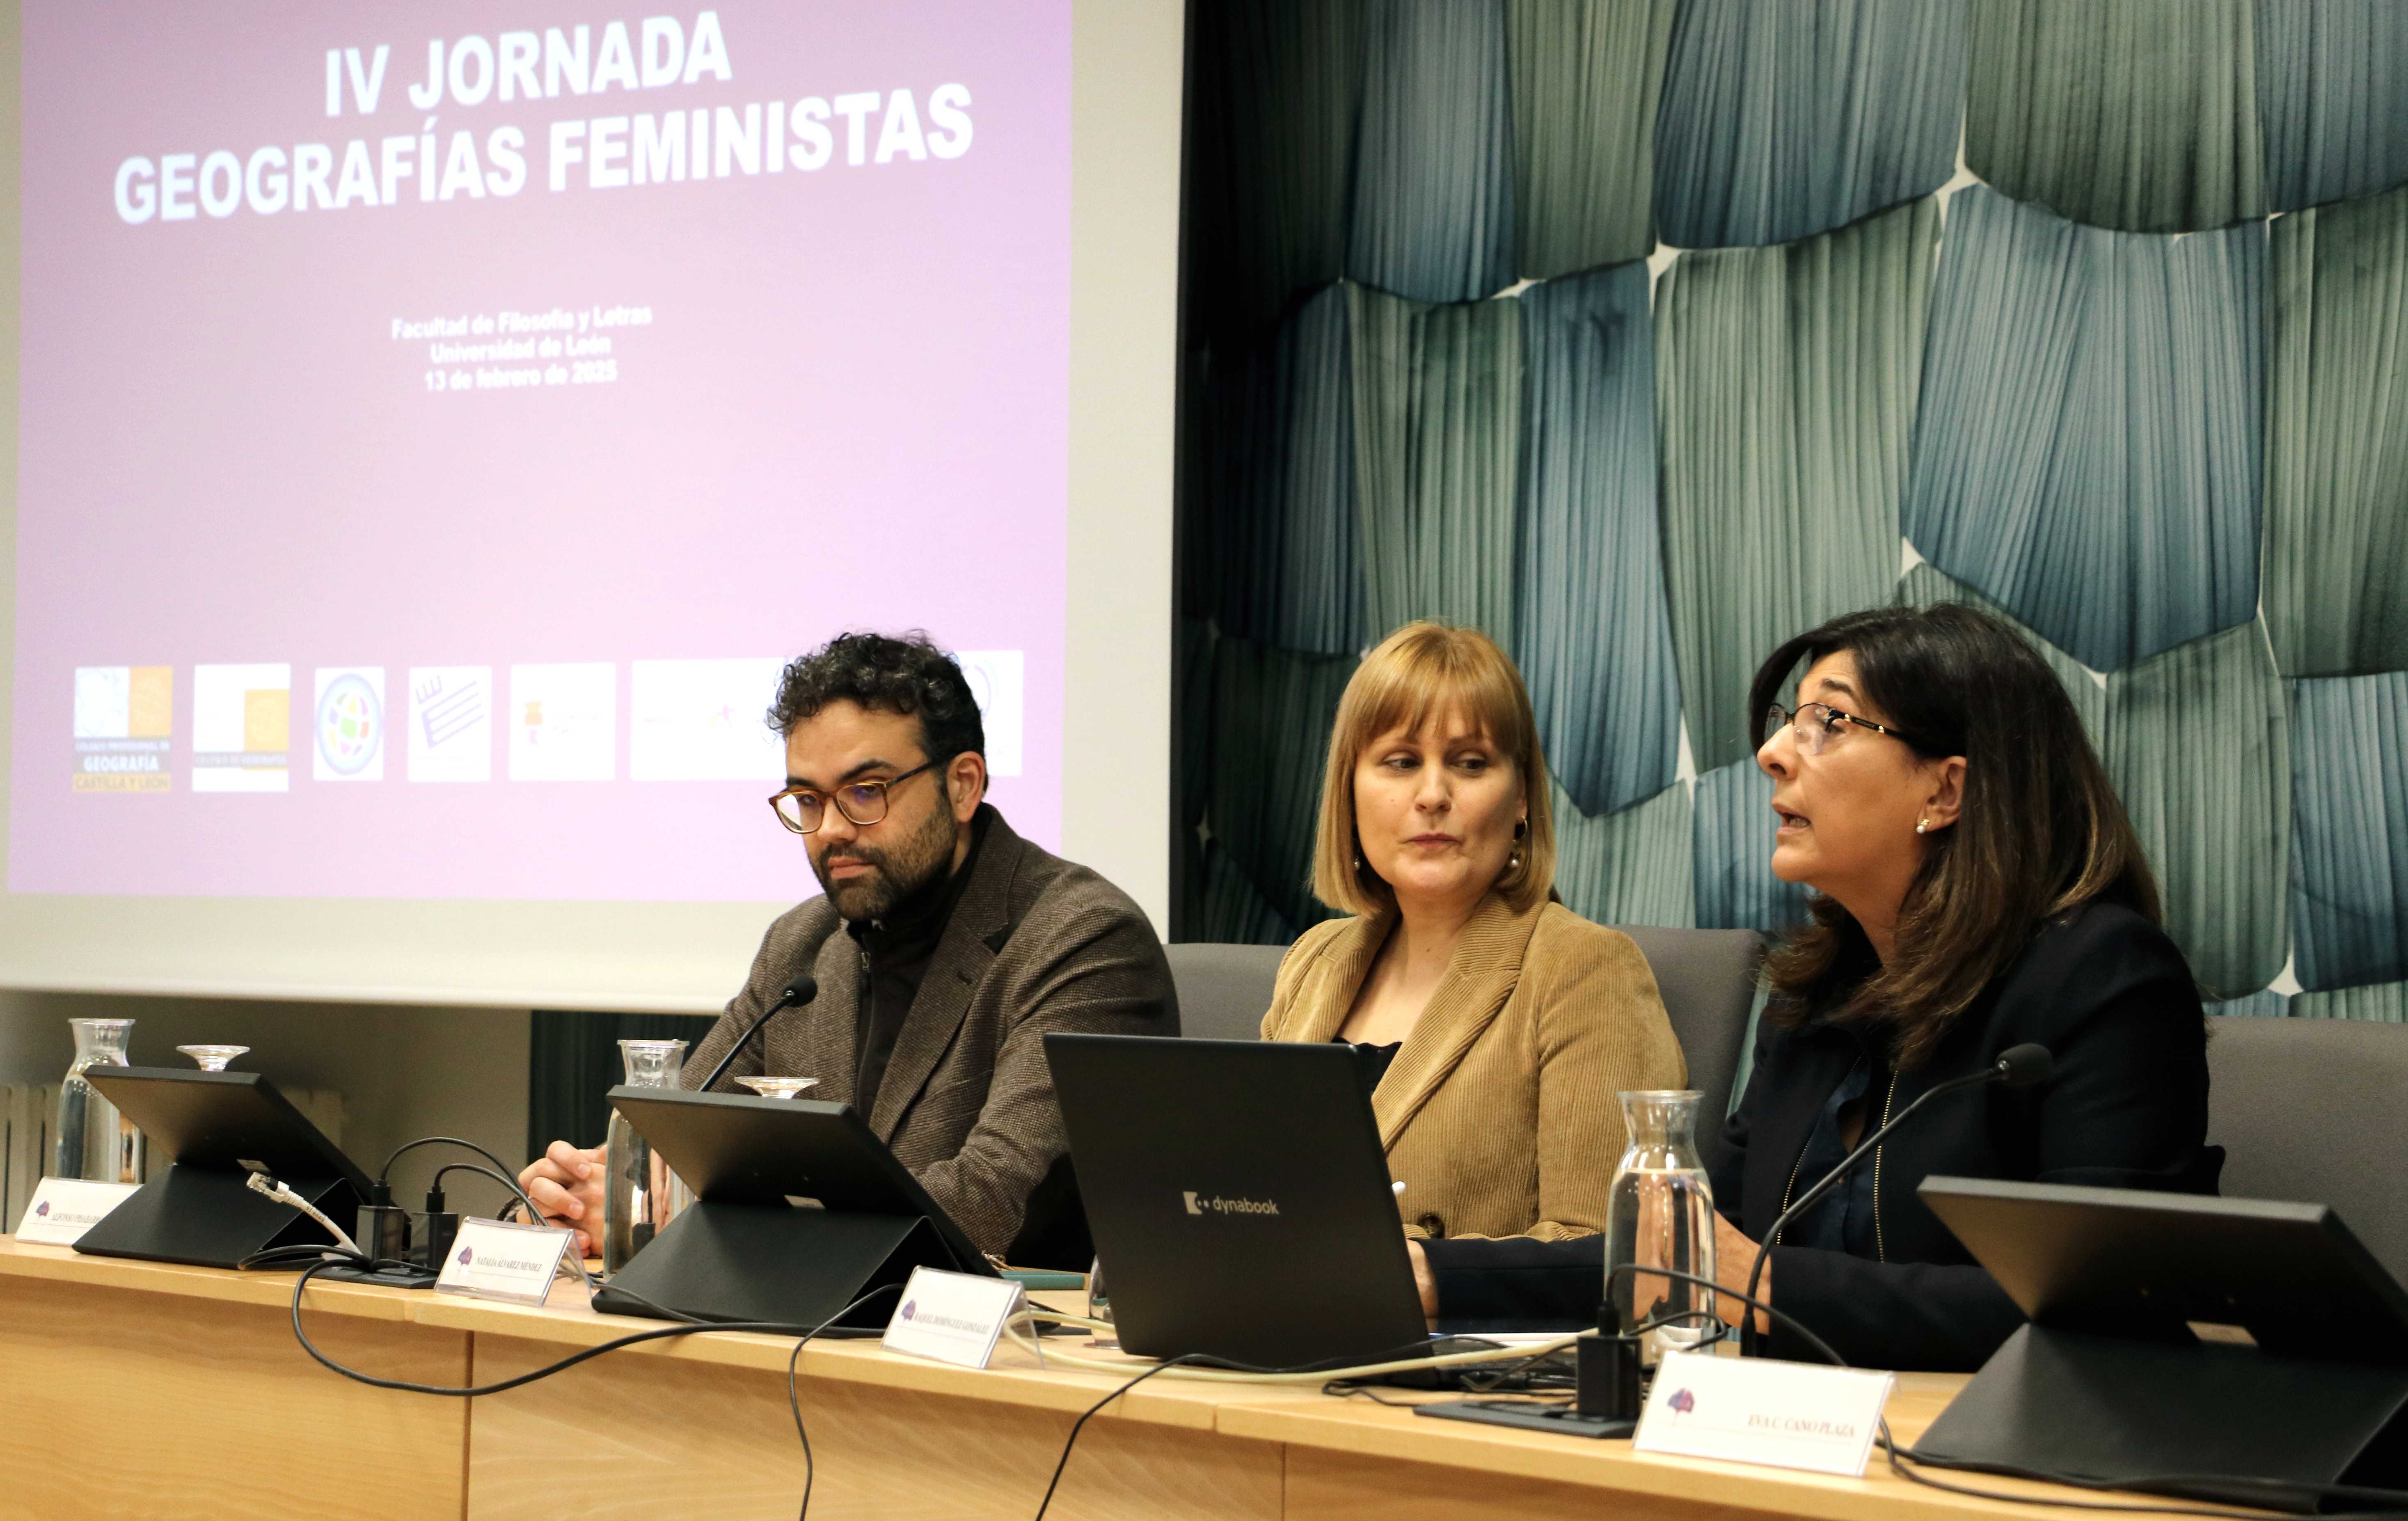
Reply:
x=803, y=811
x=1814, y=723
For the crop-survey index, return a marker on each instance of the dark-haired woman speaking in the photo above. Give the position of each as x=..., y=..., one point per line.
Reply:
x=1977, y=887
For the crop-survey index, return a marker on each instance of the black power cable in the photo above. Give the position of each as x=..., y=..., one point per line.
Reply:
x=518, y=1197
x=384, y=1173
x=1076, y=1426
x=328, y=1258
x=793, y=1400
x=1198, y=1359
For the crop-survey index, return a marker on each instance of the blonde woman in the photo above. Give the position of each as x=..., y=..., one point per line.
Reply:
x=1494, y=1026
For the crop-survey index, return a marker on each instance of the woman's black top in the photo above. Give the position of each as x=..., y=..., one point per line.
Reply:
x=1888, y=1286
x=1371, y=1063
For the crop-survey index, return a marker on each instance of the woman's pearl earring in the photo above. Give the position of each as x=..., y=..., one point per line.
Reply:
x=1918, y=827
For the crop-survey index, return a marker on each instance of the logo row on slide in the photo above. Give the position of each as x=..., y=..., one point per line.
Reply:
x=689, y=720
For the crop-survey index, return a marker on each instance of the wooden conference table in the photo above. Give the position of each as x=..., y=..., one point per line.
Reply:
x=142, y=1390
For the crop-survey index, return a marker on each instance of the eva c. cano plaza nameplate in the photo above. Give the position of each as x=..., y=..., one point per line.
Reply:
x=1757, y=1409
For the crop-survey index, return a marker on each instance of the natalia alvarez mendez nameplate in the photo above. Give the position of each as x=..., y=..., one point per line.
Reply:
x=497, y=1259
x=1757, y=1409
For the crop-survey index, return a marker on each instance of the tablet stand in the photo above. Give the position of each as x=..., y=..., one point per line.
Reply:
x=210, y=1218
x=2130, y=1412
x=773, y=1262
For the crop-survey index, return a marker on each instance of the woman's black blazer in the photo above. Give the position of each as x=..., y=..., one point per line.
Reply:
x=2110, y=997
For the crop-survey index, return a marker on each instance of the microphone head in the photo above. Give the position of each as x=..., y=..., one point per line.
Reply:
x=2020, y=1066
x=804, y=988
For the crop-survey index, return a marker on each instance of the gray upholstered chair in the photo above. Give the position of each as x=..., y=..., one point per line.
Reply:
x=1707, y=978
x=2310, y=1110
x=1224, y=990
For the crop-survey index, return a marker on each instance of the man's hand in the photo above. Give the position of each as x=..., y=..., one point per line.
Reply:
x=1424, y=1285
x=567, y=1184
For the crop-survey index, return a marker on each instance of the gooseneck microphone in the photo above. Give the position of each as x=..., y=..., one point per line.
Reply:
x=2018, y=1067
x=801, y=991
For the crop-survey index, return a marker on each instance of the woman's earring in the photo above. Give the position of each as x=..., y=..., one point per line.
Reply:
x=1918, y=827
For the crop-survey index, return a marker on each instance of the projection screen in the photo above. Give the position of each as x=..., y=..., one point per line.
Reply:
x=434, y=434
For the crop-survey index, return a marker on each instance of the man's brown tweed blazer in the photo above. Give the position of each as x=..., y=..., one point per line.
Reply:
x=1034, y=944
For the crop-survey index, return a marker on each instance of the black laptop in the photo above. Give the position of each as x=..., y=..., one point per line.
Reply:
x=1240, y=1199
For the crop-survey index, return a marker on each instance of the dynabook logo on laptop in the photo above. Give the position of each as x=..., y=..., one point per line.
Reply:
x=1217, y=1205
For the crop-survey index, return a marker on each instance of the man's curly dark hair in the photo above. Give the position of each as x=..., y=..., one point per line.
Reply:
x=908, y=674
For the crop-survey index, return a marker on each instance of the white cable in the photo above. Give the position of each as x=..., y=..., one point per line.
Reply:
x=1226, y=1375
x=260, y=1182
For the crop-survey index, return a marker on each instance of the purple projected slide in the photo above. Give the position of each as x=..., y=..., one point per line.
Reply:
x=436, y=437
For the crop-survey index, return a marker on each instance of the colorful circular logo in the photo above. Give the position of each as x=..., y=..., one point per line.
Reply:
x=350, y=726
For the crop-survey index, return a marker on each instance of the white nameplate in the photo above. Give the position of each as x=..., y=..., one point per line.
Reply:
x=63, y=1209
x=499, y=1259
x=952, y=1317
x=1757, y=1409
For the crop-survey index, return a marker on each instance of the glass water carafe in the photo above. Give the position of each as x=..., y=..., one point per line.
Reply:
x=644, y=1194
x=1661, y=1214
x=93, y=1139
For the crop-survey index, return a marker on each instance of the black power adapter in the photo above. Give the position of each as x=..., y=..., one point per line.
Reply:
x=383, y=1230
x=437, y=1228
x=383, y=1227
x=1606, y=1372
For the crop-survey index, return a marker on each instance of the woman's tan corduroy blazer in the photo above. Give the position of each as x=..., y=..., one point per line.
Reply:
x=1499, y=1113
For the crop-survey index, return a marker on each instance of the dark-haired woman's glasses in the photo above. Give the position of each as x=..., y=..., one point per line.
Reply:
x=1816, y=722
x=802, y=809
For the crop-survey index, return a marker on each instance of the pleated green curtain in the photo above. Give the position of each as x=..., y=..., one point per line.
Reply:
x=1630, y=867
x=2337, y=440
x=1786, y=390
x=1438, y=366
x=2198, y=748
x=2332, y=98
x=2349, y=790
x=1782, y=120
x=2139, y=115
x=1591, y=633
x=2089, y=446
x=1586, y=76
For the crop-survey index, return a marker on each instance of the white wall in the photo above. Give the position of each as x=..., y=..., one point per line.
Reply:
x=403, y=1072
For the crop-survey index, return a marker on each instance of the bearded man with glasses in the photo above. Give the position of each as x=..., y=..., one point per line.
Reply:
x=945, y=948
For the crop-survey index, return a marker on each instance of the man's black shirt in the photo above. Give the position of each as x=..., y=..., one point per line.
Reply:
x=895, y=955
